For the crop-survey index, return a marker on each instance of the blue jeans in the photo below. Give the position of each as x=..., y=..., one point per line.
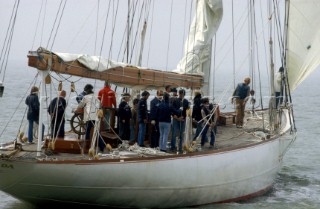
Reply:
x=177, y=127
x=164, y=132
x=141, y=135
x=30, y=131
x=204, y=137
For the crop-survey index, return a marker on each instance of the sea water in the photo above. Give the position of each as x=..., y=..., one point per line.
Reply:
x=297, y=185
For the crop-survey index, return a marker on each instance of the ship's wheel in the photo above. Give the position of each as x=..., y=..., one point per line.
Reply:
x=77, y=124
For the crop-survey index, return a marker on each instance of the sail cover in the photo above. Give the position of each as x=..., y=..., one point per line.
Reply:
x=204, y=26
x=97, y=63
x=303, y=49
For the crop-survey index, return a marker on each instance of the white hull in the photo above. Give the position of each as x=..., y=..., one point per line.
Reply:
x=178, y=181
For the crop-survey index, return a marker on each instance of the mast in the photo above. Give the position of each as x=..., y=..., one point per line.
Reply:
x=286, y=83
x=207, y=90
x=42, y=100
x=128, y=31
x=284, y=87
x=271, y=57
x=272, y=101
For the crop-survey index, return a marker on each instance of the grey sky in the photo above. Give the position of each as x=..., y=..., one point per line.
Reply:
x=78, y=29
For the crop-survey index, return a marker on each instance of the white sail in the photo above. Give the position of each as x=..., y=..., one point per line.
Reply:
x=204, y=25
x=303, y=55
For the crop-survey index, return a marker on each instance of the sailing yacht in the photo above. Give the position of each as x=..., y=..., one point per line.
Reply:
x=244, y=162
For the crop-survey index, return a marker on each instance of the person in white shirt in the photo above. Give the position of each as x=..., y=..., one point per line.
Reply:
x=91, y=104
x=278, y=86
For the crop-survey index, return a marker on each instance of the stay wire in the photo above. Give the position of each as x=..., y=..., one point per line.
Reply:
x=134, y=9
x=54, y=25
x=37, y=25
x=279, y=29
x=168, y=47
x=7, y=34
x=17, y=108
x=5, y=42
x=62, y=12
x=113, y=29
x=43, y=21
x=137, y=32
x=194, y=37
x=258, y=63
x=103, y=35
x=233, y=49
x=8, y=47
x=97, y=28
x=184, y=25
x=150, y=36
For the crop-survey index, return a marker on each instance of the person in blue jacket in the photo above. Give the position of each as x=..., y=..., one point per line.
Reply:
x=180, y=106
x=240, y=96
x=142, y=117
x=155, y=134
x=164, y=112
x=32, y=101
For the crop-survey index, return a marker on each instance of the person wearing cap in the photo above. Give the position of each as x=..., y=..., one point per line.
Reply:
x=209, y=115
x=155, y=134
x=142, y=117
x=108, y=101
x=180, y=106
x=240, y=96
x=32, y=101
x=124, y=113
x=82, y=94
x=56, y=110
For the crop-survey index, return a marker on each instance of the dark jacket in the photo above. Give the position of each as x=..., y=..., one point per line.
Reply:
x=124, y=111
x=165, y=111
x=196, y=110
x=33, y=107
x=57, y=110
x=242, y=91
x=154, y=104
x=142, y=110
x=177, y=103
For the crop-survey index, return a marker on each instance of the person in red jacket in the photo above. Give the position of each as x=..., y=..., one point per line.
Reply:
x=108, y=101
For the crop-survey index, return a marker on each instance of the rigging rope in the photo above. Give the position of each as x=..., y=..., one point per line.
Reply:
x=150, y=33
x=168, y=47
x=136, y=34
x=58, y=24
x=8, y=39
x=233, y=49
x=16, y=109
x=34, y=37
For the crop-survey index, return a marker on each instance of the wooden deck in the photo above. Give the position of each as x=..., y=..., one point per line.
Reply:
x=228, y=137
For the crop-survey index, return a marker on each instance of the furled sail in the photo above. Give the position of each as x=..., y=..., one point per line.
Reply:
x=121, y=74
x=204, y=25
x=303, y=49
